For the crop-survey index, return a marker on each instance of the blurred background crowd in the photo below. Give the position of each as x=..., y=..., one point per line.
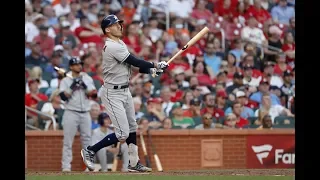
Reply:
x=240, y=75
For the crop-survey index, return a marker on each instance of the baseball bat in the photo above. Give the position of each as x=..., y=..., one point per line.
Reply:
x=62, y=71
x=191, y=42
x=146, y=156
x=155, y=155
x=115, y=160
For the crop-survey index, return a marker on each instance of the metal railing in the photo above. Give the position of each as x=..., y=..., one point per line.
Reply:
x=53, y=119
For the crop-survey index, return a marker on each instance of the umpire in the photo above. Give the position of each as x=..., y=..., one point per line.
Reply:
x=75, y=92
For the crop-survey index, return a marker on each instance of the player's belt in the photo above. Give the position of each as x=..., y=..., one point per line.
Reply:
x=121, y=87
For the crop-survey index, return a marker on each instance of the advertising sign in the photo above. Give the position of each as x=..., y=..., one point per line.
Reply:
x=269, y=151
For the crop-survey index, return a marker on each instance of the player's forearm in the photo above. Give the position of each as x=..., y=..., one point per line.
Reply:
x=141, y=64
x=64, y=96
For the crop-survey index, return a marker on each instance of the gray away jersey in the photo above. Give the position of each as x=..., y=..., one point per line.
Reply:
x=115, y=70
x=79, y=100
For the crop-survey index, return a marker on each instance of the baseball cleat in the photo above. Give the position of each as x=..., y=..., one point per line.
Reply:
x=133, y=155
x=88, y=158
x=139, y=168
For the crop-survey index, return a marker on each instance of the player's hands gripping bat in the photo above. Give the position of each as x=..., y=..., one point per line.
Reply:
x=155, y=155
x=146, y=156
x=155, y=72
x=115, y=160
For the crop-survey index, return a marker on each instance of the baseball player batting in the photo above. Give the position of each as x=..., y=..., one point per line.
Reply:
x=116, y=96
x=74, y=90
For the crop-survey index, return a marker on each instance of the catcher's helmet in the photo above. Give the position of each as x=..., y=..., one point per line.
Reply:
x=108, y=21
x=74, y=60
x=101, y=118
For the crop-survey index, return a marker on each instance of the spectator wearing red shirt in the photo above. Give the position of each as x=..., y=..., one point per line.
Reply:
x=32, y=99
x=258, y=12
x=132, y=39
x=200, y=12
x=200, y=70
x=209, y=106
x=194, y=110
x=238, y=14
x=289, y=47
x=99, y=73
x=179, y=62
x=281, y=65
x=221, y=99
x=86, y=33
x=225, y=10
x=46, y=42
x=249, y=60
x=219, y=3
x=237, y=120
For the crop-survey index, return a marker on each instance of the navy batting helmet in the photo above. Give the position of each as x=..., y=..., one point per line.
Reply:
x=74, y=60
x=108, y=21
x=101, y=118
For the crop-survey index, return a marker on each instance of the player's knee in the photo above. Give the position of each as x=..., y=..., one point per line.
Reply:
x=122, y=137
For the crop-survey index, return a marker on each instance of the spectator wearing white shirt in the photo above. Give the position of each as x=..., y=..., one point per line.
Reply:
x=32, y=28
x=252, y=33
x=180, y=8
x=267, y=108
x=248, y=78
x=62, y=8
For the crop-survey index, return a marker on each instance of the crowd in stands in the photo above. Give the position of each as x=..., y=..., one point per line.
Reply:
x=239, y=75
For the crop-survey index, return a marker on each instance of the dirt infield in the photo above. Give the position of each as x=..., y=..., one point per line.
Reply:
x=235, y=172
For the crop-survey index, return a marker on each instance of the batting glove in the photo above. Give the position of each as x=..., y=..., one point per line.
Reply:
x=155, y=72
x=162, y=65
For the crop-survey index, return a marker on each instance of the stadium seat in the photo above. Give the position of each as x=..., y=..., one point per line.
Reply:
x=284, y=126
x=253, y=126
x=197, y=120
x=47, y=76
x=176, y=127
x=43, y=90
x=252, y=119
x=281, y=120
x=97, y=84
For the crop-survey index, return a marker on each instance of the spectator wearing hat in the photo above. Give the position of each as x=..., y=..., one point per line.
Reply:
x=262, y=89
x=282, y=12
x=257, y=11
x=62, y=8
x=105, y=128
x=268, y=73
x=194, y=110
x=221, y=99
x=274, y=40
x=207, y=122
x=210, y=106
x=32, y=99
x=248, y=78
x=287, y=88
x=36, y=58
x=65, y=35
x=46, y=42
x=211, y=59
x=154, y=113
x=237, y=82
x=178, y=118
x=252, y=33
x=281, y=65
x=267, y=108
x=243, y=100
x=289, y=48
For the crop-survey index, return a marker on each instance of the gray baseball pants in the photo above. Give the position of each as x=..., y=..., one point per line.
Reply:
x=119, y=106
x=72, y=122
